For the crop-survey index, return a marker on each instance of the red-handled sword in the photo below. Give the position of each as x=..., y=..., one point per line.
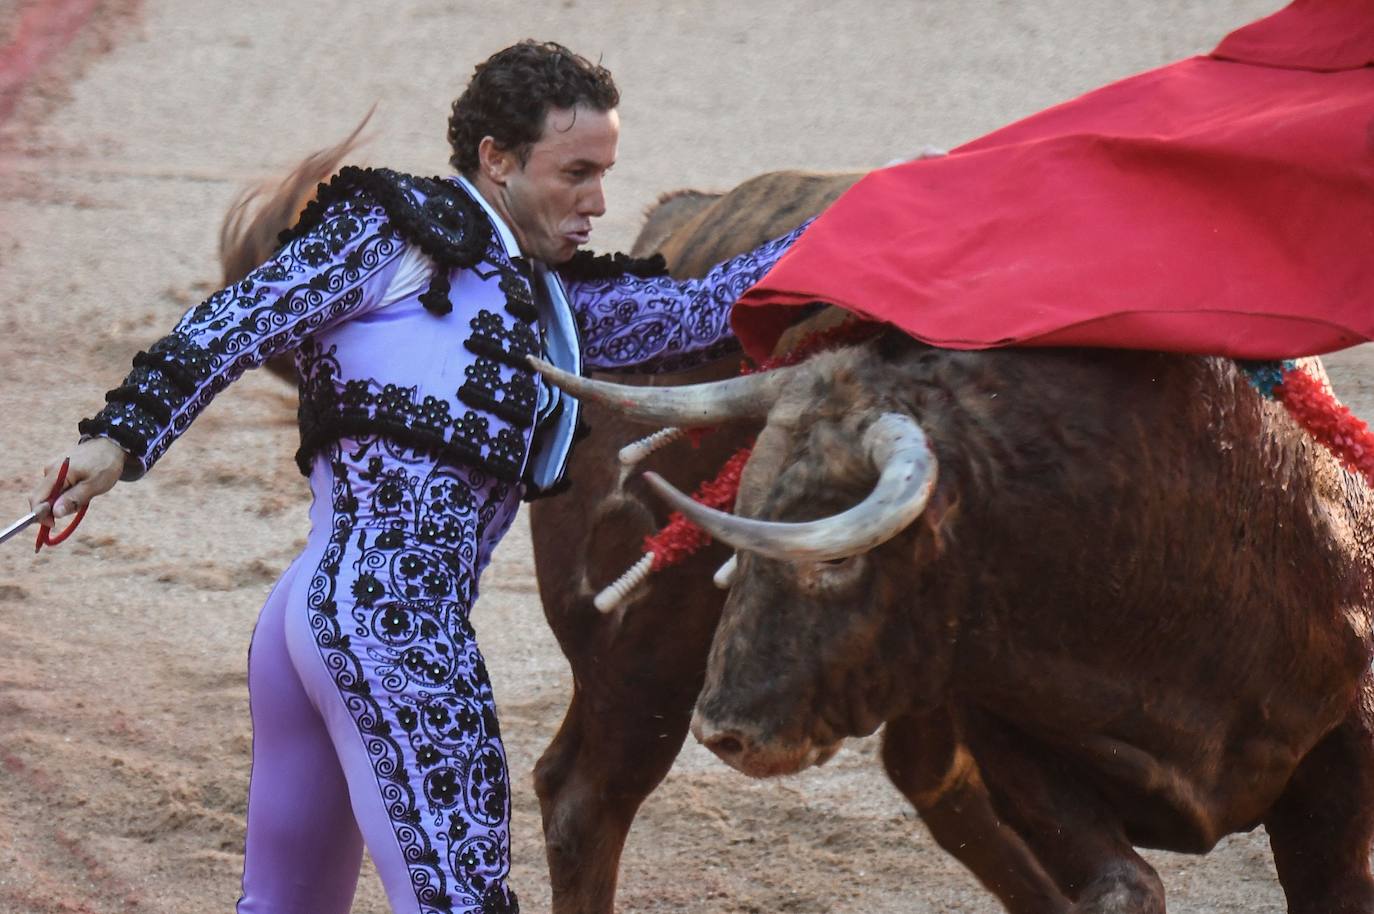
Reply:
x=45, y=537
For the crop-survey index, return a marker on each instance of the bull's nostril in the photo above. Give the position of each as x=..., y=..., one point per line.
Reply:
x=725, y=745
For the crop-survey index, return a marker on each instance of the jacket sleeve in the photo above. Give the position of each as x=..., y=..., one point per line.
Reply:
x=660, y=324
x=335, y=271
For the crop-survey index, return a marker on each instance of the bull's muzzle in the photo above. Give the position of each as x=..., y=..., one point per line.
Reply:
x=742, y=750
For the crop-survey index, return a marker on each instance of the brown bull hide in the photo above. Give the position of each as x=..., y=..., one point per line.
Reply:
x=1141, y=598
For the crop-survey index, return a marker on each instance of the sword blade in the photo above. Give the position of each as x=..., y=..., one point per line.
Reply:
x=18, y=526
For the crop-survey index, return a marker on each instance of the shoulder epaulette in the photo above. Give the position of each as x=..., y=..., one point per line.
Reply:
x=448, y=225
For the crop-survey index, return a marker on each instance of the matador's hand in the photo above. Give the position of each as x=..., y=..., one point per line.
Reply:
x=95, y=468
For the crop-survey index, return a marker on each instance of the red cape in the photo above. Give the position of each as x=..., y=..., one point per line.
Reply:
x=1221, y=205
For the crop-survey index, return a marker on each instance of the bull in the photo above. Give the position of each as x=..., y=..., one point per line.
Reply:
x=1098, y=599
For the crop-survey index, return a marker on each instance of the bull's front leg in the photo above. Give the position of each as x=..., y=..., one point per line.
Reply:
x=931, y=766
x=1322, y=828
x=637, y=673
x=606, y=759
x=1075, y=835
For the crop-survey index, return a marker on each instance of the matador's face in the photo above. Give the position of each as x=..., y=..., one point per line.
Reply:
x=552, y=197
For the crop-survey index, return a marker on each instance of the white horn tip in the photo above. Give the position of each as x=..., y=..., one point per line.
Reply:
x=617, y=590
x=725, y=575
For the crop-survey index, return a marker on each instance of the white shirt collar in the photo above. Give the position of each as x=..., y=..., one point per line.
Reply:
x=502, y=229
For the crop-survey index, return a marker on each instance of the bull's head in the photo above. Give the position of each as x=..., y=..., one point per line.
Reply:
x=818, y=640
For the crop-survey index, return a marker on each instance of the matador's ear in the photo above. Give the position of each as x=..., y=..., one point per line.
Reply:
x=495, y=161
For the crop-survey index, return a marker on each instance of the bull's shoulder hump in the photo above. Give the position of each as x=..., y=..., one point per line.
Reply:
x=760, y=209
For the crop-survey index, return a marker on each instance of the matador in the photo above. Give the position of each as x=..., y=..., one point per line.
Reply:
x=411, y=305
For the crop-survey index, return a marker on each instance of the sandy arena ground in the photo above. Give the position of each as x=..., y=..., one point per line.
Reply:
x=125, y=130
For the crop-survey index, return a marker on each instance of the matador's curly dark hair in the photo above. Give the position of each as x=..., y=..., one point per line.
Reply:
x=512, y=91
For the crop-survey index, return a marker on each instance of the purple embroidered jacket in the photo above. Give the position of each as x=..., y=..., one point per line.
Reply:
x=444, y=369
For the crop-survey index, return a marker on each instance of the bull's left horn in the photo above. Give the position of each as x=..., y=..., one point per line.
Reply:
x=686, y=405
x=898, y=449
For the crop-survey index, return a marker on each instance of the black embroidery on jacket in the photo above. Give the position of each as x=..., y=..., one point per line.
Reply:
x=448, y=225
x=127, y=424
x=584, y=266
x=493, y=339
x=329, y=411
x=163, y=378
x=513, y=399
x=519, y=296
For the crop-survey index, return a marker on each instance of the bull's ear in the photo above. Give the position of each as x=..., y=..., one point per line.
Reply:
x=936, y=523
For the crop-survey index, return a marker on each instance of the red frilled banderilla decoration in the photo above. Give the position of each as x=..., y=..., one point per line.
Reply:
x=1222, y=205
x=1314, y=407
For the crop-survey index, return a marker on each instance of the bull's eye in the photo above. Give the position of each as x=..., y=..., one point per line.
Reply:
x=833, y=576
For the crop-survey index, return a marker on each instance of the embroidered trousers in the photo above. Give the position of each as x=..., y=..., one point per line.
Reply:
x=373, y=718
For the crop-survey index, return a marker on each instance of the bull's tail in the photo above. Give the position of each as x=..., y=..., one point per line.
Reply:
x=259, y=214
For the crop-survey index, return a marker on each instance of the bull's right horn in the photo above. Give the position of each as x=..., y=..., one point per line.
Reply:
x=687, y=405
x=898, y=450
